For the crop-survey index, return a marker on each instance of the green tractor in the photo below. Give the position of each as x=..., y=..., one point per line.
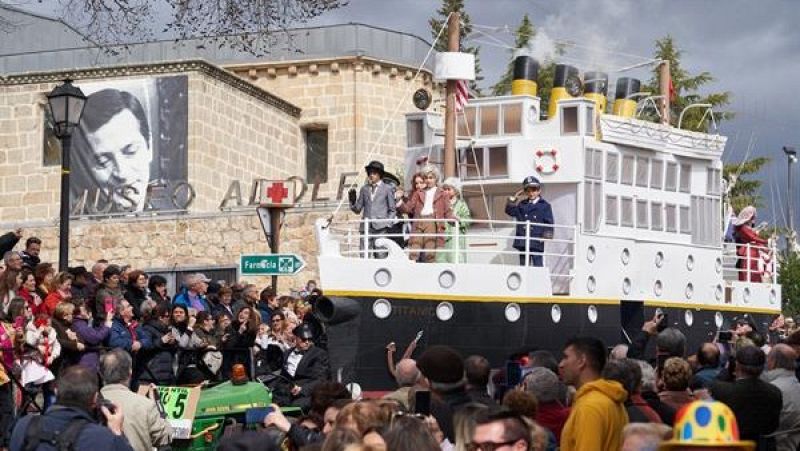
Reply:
x=218, y=409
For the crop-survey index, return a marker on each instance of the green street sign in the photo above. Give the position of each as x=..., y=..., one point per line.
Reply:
x=270, y=265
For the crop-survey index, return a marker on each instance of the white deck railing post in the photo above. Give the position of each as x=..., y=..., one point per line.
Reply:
x=527, y=243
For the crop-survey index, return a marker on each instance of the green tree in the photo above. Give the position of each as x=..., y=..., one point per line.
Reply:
x=789, y=278
x=440, y=21
x=523, y=35
x=686, y=88
x=746, y=186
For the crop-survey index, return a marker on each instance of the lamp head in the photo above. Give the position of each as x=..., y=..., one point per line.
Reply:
x=66, y=104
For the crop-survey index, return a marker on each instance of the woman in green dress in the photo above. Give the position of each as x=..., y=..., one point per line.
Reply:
x=452, y=186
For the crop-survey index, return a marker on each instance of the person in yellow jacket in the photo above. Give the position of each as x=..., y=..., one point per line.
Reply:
x=598, y=412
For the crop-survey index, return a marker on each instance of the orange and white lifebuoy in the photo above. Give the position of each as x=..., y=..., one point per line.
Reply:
x=547, y=161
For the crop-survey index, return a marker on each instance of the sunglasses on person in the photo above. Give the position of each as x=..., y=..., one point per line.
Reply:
x=488, y=446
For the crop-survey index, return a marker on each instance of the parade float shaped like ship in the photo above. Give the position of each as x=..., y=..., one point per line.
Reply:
x=639, y=225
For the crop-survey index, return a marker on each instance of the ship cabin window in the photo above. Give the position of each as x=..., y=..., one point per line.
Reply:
x=641, y=214
x=642, y=166
x=483, y=162
x=592, y=205
x=466, y=122
x=316, y=154
x=627, y=212
x=714, y=183
x=706, y=220
x=589, y=120
x=686, y=178
x=612, y=210
x=593, y=164
x=415, y=132
x=512, y=119
x=657, y=174
x=490, y=120
x=685, y=221
x=671, y=179
x=656, y=216
x=671, y=211
x=569, y=120
x=628, y=164
x=612, y=167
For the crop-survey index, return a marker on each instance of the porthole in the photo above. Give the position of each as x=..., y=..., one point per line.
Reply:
x=626, y=285
x=514, y=281
x=382, y=277
x=689, y=292
x=773, y=296
x=592, y=314
x=591, y=284
x=382, y=308
x=718, y=265
x=718, y=292
x=513, y=312
x=555, y=313
x=690, y=262
x=718, y=319
x=746, y=295
x=688, y=317
x=658, y=288
x=659, y=259
x=591, y=253
x=444, y=311
x=447, y=279
x=625, y=256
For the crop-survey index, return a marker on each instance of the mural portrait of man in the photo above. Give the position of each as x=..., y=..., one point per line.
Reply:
x=130, y=144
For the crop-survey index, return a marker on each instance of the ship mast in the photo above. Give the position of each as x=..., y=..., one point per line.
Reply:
x=453, y=31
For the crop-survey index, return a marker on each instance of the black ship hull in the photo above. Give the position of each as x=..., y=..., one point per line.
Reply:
x=358, y=344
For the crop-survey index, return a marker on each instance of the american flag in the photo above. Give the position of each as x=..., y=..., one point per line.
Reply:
x=462, y=94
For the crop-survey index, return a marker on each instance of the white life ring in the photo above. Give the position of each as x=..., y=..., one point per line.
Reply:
x=547, y=161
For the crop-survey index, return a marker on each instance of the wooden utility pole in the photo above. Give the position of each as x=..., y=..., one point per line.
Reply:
x=664, y=81
x=453, y=31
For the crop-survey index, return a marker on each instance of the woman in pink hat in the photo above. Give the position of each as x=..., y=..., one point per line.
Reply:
x=747, y=263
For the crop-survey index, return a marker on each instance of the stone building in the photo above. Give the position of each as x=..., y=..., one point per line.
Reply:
x=313, y=117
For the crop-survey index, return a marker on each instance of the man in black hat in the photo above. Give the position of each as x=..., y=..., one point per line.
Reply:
x=376, y=203
x=757, y=404
x=304, y=368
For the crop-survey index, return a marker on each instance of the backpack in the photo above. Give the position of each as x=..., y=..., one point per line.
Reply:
x=63, y=440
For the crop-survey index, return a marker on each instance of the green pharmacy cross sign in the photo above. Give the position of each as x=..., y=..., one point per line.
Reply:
x=270, y=265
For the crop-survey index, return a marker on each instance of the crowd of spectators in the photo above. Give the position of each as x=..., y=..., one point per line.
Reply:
x=59, y=331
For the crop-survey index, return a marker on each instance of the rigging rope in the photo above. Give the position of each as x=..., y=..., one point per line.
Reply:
x=388, y=120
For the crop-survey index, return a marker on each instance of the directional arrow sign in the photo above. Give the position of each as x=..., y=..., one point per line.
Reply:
x=271, y=265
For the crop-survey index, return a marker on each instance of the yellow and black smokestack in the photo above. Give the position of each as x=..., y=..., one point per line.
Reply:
x=559, y=92
x=623, y=106
x=526, y=76
x=595, y=87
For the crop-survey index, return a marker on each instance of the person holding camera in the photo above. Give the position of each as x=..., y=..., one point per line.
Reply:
x=80, y=420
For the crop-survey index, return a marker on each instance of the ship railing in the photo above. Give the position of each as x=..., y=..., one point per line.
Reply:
x=750, y=263
x=357, y=238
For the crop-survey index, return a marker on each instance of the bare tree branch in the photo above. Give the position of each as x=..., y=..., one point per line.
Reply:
x=244, y=25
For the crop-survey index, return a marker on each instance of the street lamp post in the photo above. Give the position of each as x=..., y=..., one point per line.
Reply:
x=791, y=155
x=66, y=107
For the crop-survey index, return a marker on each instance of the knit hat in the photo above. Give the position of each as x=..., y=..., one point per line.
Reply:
x=441, y=364
x=543, y=383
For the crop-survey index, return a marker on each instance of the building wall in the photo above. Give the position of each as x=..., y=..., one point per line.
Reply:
x=353, y=98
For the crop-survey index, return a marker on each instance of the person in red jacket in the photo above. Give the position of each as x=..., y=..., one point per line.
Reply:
x=749, y=256
x=60, y=291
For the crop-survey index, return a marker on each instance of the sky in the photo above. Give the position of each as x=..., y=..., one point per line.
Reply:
x=750, y=47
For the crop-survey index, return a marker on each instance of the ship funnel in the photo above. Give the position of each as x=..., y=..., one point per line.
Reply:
x=623, y=105
x=564, y=72
x=526, y=76
x=595, y=87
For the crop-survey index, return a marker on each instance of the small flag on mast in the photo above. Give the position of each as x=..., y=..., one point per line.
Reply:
x=462, y=94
